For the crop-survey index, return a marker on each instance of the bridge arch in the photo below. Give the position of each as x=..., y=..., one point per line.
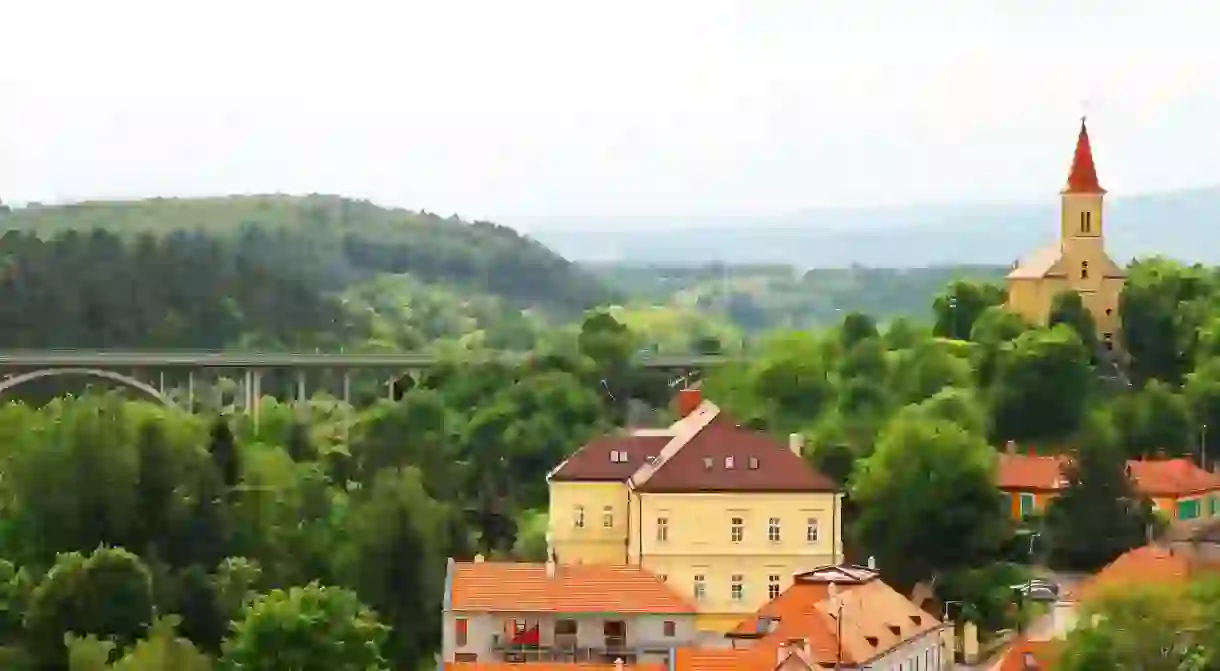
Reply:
x=126, y=380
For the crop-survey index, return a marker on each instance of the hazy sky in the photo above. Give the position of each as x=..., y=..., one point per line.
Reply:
x=629, y=107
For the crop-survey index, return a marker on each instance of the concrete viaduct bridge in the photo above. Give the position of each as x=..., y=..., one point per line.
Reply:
x=146, y=372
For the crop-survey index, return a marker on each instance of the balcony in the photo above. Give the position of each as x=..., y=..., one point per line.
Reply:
x=561, y=652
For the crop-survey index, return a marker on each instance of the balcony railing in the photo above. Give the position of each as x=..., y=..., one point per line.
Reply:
x=579, y=654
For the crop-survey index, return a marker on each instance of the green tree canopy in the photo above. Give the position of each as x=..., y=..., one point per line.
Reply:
x=310, y=628
x=1100, y=514
x=928, y=479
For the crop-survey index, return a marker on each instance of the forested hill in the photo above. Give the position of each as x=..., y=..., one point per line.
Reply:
x=274, y=271
x=336, y=241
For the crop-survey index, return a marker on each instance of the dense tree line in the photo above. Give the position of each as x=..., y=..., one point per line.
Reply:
x=92, y=290
x=757, y=298
x=333, y=242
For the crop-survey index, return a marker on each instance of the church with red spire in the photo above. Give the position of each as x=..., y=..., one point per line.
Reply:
x=1077, y=261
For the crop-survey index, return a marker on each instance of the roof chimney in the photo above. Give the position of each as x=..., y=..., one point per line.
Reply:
x=478, y=559
x=1010, y=447
x=872, y=563
x=687, y=401
x=796, y=443
x=618, y=664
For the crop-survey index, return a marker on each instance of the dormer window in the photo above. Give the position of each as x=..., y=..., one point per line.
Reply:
x=707, y=463
x=728, y=463
x=753, y=463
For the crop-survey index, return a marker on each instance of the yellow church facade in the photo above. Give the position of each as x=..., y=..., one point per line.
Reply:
x=1078, y=260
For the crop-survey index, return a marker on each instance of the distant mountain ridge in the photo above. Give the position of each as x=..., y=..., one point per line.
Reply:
x=1184, y=225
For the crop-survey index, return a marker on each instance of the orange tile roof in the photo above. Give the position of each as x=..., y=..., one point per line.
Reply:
x=1043, y=652
x=721, y=659
x=575, y=588
x=1154, y=477
x=875, y=619
x=1147, y=564
x=547, y=666
x=1031, y=472
x=1172, y=477
x=1082, y=178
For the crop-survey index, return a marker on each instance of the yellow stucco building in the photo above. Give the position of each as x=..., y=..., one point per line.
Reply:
x=725, y=515
x=1078, y=260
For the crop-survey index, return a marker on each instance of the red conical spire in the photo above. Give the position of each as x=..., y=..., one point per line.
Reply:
x=1083, y=177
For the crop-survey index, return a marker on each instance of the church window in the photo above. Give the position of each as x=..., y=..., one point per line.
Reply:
x=1086, y=222
x=1084, y=270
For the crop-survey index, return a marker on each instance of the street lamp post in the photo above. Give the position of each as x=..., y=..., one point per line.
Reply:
x=1203, y=446
x=837, y=600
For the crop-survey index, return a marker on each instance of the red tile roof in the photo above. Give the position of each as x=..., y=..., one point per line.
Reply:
x=1154, y=477
x=575, y=588
x=702, y=452
x=1083, y=176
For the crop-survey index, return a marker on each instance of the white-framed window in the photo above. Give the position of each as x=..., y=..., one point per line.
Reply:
x=773, y=530
x=811, y=530
x=737, y=588
x=700, y=590
x=772, y=586
x=608, y=517
x=737, y=530
x=578, y=517
x=662, y=529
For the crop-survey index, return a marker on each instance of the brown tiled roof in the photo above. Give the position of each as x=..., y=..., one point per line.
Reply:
x=759, y=463
x=690, y=456
x=592, y=462
x=876, y=619
x=575, y=588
